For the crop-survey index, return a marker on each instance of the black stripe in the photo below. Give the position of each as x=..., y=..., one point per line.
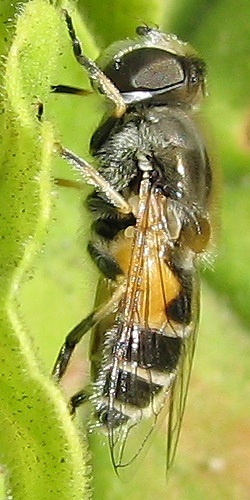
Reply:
x=109, y=228
x=180, y=309
x=109, y=221
x=132, y=389
x=155, y=350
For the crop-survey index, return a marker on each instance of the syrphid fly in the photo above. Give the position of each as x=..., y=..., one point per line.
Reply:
x=150, y=206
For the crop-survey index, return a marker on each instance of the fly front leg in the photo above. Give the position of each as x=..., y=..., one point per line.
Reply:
x=99, y=80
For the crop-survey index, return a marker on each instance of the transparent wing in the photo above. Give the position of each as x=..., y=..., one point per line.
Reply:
x=152, y=342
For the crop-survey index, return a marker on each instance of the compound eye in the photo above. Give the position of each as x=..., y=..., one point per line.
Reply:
x=146, y=69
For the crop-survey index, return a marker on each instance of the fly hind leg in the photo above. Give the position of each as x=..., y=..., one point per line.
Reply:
x=79, y=399
x=74, y=337
x=71, y=341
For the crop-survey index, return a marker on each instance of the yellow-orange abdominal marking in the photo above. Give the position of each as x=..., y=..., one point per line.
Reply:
x=158, y=285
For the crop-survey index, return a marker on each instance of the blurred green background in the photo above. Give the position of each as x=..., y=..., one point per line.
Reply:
x=213, y=459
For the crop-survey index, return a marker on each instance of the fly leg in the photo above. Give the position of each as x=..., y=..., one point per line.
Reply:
x=71, y=341
x=96, y=75
x=78, y=399
x=92, y=176
x=83, y=327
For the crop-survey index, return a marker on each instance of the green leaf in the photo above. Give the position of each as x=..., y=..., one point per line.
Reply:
x=39, y=445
